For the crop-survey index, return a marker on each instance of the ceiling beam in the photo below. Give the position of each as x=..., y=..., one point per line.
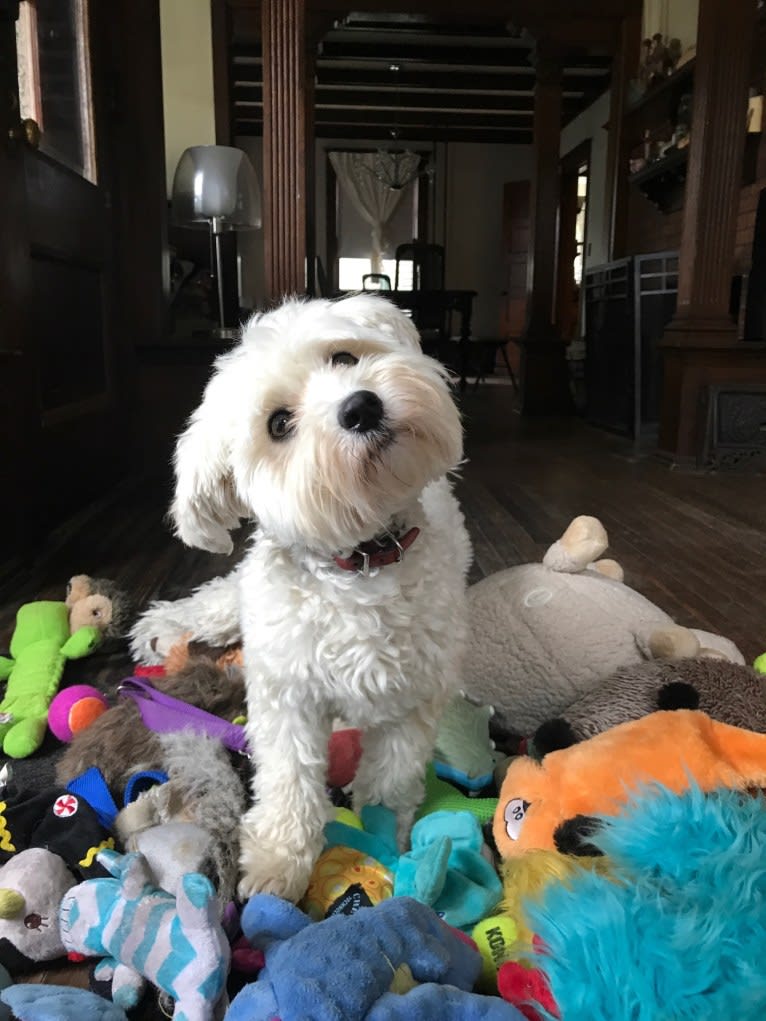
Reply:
x=459, y=10
x=372, y=133
x=422, y=118
x=469, y=79
x=327, y=96
x=344, y=47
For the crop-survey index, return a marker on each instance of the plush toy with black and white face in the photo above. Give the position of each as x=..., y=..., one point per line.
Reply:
x=32, y=886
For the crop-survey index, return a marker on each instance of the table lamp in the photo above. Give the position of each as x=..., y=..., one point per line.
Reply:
x=215, y=186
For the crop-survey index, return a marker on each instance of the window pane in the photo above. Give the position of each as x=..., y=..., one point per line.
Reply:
x=54, y=79
x=351, y=273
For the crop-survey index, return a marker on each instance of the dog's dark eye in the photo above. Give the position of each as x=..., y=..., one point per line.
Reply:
x=344, y=358
x=280, y=424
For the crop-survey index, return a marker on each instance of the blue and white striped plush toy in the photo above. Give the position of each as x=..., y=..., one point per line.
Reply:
x=141, y=932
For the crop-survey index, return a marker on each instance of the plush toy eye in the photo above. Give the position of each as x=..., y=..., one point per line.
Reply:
x=280, y=424
x=514, y=814
x=344, y=358
x=33, y=921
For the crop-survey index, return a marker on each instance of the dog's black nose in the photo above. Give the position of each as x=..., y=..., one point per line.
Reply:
x=361, y=411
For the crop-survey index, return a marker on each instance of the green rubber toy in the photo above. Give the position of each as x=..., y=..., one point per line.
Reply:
x=40, y=648
x=760, y=663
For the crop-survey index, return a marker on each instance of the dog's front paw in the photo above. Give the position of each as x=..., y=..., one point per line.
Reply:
x=269, y=868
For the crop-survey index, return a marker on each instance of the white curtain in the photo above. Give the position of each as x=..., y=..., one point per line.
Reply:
x=373, y=198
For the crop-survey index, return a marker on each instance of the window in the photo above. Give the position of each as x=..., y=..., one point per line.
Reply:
x=54, y=79
x=351, y=272
x=582, y=206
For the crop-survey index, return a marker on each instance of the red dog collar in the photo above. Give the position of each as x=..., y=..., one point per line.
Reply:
x=378, y=552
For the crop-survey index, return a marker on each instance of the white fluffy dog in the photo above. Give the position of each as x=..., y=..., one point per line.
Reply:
x=328, y=426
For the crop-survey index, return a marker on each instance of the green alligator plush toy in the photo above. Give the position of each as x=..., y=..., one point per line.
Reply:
x=47, y=634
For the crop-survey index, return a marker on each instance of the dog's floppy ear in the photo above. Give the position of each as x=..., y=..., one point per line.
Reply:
x=206, y=506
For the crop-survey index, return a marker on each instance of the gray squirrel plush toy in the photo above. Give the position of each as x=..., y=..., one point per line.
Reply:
x=727, y=692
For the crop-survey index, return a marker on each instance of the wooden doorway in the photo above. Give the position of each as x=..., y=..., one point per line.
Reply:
x=572, y=247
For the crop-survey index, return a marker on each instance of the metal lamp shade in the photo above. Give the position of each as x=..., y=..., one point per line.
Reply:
x=216, y=182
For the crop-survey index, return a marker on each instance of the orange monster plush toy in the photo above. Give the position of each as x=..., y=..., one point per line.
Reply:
x=551, y=804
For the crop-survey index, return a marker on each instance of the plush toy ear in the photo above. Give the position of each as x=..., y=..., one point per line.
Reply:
x=572, y=836
x=206, y=508
x=78, y=587
x=583, y=542
x=553, y=735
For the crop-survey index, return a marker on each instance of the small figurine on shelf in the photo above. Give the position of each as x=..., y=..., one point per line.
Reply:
x=683, y=121
x=659, y=59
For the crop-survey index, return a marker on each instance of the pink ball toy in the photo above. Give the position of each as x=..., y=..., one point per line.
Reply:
x=74, y=709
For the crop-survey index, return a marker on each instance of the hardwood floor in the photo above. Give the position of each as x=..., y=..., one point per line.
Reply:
x=693, y=543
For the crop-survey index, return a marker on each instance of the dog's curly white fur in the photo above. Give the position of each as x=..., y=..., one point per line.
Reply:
x=273, y=440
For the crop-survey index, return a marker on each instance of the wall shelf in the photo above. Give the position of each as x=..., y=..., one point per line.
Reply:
x=667, y=92
x=663, y=180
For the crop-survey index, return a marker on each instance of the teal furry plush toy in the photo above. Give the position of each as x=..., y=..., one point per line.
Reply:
x=675, y=931
x=142, y=933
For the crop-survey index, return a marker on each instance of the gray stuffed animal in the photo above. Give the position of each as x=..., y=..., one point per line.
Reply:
x=727, y=692
x=541, y=635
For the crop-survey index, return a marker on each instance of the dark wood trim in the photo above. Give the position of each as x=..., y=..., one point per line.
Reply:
x=220, y=18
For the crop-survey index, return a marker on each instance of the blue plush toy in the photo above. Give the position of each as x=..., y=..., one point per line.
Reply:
x=35, y=1002
x=676, y=929
x=346, y=966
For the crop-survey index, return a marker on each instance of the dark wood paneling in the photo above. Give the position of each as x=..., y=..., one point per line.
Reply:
x=136, y=131
x=65, y=212
x=69, y=331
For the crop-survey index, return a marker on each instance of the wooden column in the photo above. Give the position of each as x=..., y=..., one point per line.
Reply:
x=544, y=384
x=700, y=345
x=288, y=146
x=220, y=23
x=624, y=67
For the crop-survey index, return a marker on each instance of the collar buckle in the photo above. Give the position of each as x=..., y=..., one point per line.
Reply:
x=365, y=558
